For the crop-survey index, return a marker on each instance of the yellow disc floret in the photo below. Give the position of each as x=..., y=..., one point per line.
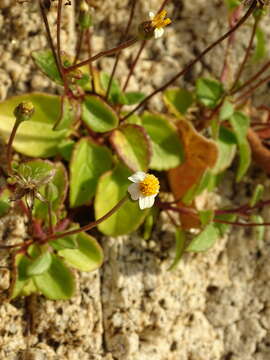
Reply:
x=160, y=20
x=149, y=186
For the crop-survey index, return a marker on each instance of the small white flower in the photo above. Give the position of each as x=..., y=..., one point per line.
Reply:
x=145, y=188
x=158, y=22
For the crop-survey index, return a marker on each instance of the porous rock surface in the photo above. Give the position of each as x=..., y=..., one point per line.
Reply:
x=215, y=305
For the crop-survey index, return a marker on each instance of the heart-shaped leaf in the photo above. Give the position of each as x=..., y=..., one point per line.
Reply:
x=88, y=255
x=98, y=115
x=89, y=162
x=166, y=145
x=39, y=265
x=178, y=101
x=111, y=189
x=34, y=137
x=44, y=59
x=209, y=92
x=132, y=145
x=57, y=283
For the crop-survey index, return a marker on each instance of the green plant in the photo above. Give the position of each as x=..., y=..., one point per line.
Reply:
x=87, y=143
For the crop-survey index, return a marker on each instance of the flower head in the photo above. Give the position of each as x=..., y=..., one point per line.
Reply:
x=154, y=27
x=158, y=22
x=145, y=188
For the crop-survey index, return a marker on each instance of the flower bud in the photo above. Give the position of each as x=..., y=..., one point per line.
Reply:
x=85, y=16
x=24, y=111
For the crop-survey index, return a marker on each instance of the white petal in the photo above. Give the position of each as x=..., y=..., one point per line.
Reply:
x=158, y=32
x=137, y=177
x=146, y=201
x=134, y=191
x=151, y=15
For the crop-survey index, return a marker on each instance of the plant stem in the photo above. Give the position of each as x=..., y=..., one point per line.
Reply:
x=103, y=53
x=236, y=223
x=248, y=51
x=198, y=58
x=9, y=146
x=88, y=226
x=79, y=46
x=58, y=34
x=165, y=2
x=49, y=35
x=124, y=36
x=89, y=49
x=250, y=80
x=252, y=89
x=133, y=65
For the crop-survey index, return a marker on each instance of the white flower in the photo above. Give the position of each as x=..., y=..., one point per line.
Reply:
x=145, y=188
x=158, y=22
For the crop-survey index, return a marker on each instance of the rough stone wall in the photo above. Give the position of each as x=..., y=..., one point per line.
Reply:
x=215, y=306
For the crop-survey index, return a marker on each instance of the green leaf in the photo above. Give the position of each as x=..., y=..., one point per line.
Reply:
x=89, y=161
x=180, y=241
x=226, y=110
x=133, y=97
x=224, y=227
x=240, y=124
x=258, y=231
x=205, y=240
x=111, y=189
x=116, y=96
x=23, y=283
x=67, y=115
x=87, y=257
x=98, y=115
x=55, y=191
x=178, y=100
x=257, y=195
x=67, y=242
x=260, y=49
x=133, y=147
x=166, y=145
x=44, y=60
x=206, y=216
x=4, y=202
x=57, y=283
x=226, y=150
x=39, y=265
x=209, y=92
x=65, y=148
x=34, y=137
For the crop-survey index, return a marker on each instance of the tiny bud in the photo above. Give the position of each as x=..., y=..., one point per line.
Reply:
x=85, y=16
x=146, y=30
x=24, y=111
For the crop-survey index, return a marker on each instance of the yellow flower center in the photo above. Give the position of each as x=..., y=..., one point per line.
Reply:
x=159, y=20
x=149, y=186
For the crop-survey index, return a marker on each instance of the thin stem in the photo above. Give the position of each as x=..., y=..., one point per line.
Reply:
x=253, y=78
x=198, y=58
x=241, y=224
x=89, y=49
x=165, y=2
x=79, y=46
x=88, y=226
x=253, y=88
x=49, y=35
x=248, y=51
x=58, y=33
x=103, y=53
x=9, y=146
x=133, y=65
x=243, y=208
x=124, y=36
